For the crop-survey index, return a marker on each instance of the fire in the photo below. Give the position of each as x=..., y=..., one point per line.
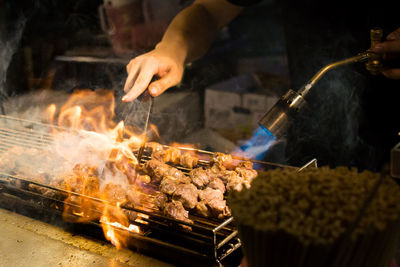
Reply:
x=50, y=113
x=101, y=169
x=155, y=130
x=112, y=221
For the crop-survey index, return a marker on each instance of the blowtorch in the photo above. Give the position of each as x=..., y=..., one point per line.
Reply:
x=277, y=120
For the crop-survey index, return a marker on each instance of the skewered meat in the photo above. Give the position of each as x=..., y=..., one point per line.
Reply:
x=246, y=164
x=143, y=179
x=222, y=159
x=209, y=194
x=235, y=180
x=155, y=147
x=200, y=177
x=158, y=185
x=115, y=192
x=134, y=196
x=160, y=200
x=217, y=169
x=172, y=155
x=177, y=174
x=158, y=170
x=176, y=210
x=188, y=161
x=237, y=184
x=72, y=183
x=169, y=184
x=217, y=184
x=212, y=203
x=219, y=208
x=83, y=170
x=246, y=174
x=132, y=215
x=187, y=194
x=227, y=176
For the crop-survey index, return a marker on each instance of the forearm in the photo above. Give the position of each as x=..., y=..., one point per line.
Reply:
x=193, y=30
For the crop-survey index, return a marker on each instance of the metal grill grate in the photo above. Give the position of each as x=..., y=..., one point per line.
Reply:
x=209, y=240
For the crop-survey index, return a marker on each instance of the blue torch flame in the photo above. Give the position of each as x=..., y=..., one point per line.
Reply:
x=257, y=146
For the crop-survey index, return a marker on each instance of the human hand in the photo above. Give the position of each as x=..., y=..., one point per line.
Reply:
x=164, y=63
x=390, y=50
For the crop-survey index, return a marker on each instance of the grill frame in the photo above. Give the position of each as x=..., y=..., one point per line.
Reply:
x=217, y=239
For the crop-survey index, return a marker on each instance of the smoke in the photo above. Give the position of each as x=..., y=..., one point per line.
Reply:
x=9, y=41
x=175, y=115
x=329, y=127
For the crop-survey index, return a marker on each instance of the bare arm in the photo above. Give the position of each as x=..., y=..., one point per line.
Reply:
x=187, y=38
x=197, y=26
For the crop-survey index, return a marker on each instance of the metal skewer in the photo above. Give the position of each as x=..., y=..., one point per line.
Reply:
x=146, y=97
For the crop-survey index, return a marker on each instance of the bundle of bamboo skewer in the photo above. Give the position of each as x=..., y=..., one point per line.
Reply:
x=318, y=217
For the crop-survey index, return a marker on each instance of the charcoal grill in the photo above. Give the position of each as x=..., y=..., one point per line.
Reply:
x=210, y=241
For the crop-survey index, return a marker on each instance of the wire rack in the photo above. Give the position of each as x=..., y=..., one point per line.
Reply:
x=208, y=240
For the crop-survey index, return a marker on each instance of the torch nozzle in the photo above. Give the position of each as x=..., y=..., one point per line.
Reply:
x=359, y=58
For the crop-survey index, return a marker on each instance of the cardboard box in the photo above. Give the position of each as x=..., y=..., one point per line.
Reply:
x=237, y=104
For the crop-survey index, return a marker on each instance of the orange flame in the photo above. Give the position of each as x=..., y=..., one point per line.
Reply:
x=113, y=221
x=50, y=113
x=103, y=166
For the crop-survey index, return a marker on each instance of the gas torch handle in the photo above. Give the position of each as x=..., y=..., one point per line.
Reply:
x=374, y=64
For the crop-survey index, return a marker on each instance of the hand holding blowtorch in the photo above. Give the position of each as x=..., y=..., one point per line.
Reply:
x=390, y=50
x=280, y=116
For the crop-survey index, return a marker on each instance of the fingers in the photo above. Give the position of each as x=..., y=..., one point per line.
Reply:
x=392, y=73
x=133, y=70
x=387, y=47
x=172, y=78
x=144, y=76
x=394, y=35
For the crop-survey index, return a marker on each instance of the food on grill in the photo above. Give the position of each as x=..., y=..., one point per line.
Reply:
x=169, y=184
x=158, y=170
x=155, y=147
x=155, y=186
x=116, y=193
x=247, y=173
x=188, y=161
x=222, y=159
x=160, y=200
x=187, y=194
x=212, y=203
x=176, y=210
x=209, y=183
x=200, y=177
x=246, y=164
x=236, y=182
x=132, y=215
x=173, y=155
x=217, y=184
x=143, y=178
x=317, y=217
